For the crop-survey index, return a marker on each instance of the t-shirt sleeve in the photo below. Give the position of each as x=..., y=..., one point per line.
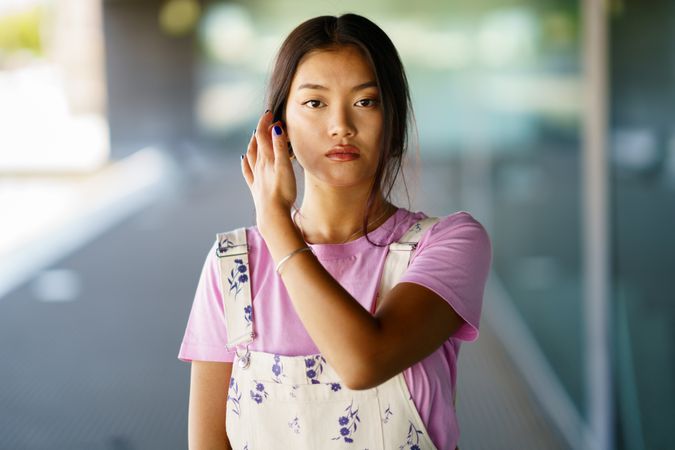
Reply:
x=453, y=259
x=205, y=335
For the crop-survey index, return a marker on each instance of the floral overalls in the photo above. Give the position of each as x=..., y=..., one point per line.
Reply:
x=299, y=402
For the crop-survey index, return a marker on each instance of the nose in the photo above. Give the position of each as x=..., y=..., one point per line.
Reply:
x=342, y=123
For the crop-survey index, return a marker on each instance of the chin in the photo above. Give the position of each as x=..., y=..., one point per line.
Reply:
x=339, y=176
x=346, y=181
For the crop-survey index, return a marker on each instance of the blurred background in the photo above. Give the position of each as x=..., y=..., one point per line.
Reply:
x=121, y=122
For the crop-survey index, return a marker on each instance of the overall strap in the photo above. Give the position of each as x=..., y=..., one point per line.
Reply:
x=235, y=282
x=398, y=256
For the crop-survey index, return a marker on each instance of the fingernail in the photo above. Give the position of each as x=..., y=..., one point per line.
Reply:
x=266, y=111
x=242, y=157
x=277, y=130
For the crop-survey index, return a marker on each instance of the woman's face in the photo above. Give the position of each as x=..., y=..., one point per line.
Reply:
x=333, y=100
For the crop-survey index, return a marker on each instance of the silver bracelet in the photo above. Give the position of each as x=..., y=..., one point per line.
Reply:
x=291, y=254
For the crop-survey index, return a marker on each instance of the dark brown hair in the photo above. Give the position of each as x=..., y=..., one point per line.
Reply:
x=327, y=33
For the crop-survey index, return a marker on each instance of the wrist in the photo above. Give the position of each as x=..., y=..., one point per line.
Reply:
x=274, y=221
x=280, y=234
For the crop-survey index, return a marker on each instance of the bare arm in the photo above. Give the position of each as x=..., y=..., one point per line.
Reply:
x=412, y=322
x=209, y=383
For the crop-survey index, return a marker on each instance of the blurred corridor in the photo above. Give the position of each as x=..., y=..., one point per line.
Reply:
x=99, y=371
x=551, y=122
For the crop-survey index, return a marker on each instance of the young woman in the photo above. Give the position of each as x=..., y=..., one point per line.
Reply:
x=343, y=317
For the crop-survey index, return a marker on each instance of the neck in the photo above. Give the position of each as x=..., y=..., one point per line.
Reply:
x=331, y=217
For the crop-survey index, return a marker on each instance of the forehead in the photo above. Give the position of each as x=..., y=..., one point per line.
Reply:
x=346, y=66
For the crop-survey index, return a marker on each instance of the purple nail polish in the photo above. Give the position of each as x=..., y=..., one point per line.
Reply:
x=277, y=130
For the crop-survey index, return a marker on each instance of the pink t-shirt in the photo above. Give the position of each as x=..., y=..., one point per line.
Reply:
x=452, y=259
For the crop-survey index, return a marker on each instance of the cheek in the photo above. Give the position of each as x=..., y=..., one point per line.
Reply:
x=301, y=130
x=296, y=125
x=378, y=124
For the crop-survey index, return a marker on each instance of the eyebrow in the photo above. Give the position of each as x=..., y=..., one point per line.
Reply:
x=358, y=87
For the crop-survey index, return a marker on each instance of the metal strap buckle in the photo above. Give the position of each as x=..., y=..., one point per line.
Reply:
x=228, y=248
x=243, y=360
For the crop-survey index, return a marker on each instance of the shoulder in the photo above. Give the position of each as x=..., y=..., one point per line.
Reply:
x=459, y=221
x=453, y=259
x=448, y=224
x=459, y=230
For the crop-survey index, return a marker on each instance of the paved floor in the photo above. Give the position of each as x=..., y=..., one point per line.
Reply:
x=496, y=409
x=100, y=371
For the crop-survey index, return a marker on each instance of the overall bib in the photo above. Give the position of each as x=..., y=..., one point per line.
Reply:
x=299, y=402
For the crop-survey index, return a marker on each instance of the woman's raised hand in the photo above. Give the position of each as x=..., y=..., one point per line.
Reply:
x=268, y=171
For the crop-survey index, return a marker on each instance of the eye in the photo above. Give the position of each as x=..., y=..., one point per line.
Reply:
x=312, y=101
x=373, y=102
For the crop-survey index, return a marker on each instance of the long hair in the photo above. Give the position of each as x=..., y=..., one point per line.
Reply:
x=329, y=32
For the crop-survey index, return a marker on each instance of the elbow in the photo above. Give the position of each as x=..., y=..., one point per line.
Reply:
x=366, y=380
x=362, y=375
x=366, y=367
x=359, y=382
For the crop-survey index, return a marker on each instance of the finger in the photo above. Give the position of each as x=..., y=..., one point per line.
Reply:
x=263, y=121
x=280, y=146
x=262, y=136
x=246, y=170
x=264, y=139
x=252, y=150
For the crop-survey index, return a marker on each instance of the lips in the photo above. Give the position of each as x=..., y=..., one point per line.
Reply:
x=347, y=150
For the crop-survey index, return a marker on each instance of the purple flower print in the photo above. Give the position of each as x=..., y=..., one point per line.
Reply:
x=348, y=424
x=335, y=387
x=236, y=281
x=224, y=246
x=277, y=369
x=294, y=425
x=387, y=414
x=234, y=396
x=413, y=439
x=317, y=362
x=259, y=394
x=247, y=313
